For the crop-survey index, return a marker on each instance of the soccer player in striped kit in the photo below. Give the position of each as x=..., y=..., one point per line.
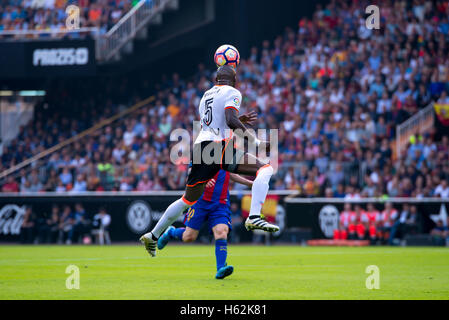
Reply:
x=214, y=150
x=213, y=207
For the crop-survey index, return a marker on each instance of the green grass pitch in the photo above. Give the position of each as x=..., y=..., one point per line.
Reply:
x=187, y=272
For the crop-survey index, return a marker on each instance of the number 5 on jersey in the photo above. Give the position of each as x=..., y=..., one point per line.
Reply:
x=208, y=113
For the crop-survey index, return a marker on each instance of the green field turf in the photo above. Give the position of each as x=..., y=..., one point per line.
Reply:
x=187, y=272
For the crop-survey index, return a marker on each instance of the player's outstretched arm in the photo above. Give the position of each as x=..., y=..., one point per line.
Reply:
x=239, y=179
x=248, y=118
x=233, y=122
x=232, y=119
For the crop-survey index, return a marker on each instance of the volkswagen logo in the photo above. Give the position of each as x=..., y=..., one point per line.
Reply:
x=139, y=216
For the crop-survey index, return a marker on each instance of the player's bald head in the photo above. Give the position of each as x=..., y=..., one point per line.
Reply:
x=226, y=75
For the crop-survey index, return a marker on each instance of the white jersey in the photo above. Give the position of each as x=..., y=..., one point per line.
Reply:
x=212, y=112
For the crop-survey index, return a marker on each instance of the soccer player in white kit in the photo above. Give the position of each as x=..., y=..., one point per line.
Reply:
x=214, y=150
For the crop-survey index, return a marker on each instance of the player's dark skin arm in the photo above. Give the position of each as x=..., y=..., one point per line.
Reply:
x=195, y=192
x=250, y=164
x=249, y=118
x=233, y=122
x=239, y=179
x=234, y=177
x=248, y=167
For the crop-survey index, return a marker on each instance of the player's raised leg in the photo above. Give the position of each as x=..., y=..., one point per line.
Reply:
x=180, y=234
x=171, y=233
x=250, y=165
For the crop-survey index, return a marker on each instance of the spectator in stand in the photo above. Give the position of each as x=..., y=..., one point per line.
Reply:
x=65, y=225
x=440, y=233
x=442, y=190
x=351, y=193
x=388, y=218
x=346, y=220
x=41, y=226
x=339, y=193
x=80, y=225
x=80, y=184
x=370, y=189
x=413, y=224
x=145, y=184
x=52, y=181
x=35, y=184
x=11, y=185
x=25, y=187
x=373, y=217
x=52, y=226
x=100, y=226
x=60, y=187
x=28, y=228
x=66, y=177
x=128, y=136
x=336, y=100
x=357, y=227
x=236, y=221
x=126, y=184
x=51, y=15
x=398, y=228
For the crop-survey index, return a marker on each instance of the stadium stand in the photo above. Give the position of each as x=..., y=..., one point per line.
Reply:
x=50, y=15
x=335, y=89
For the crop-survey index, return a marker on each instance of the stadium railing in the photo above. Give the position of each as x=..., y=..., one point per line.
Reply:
x=109, y=44
x=290, y=193
x=418, y=123
x=128, y=27
x=24, y=34
x=71, y=140
x=367, y=200
x=13, y=115
x=91, y=194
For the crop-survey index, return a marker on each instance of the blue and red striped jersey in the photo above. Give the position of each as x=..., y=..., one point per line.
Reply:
x=220, y=191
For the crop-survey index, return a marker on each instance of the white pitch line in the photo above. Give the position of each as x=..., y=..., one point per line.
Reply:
x=293, y=254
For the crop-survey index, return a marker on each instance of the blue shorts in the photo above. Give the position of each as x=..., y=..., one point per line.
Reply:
x=214, y=212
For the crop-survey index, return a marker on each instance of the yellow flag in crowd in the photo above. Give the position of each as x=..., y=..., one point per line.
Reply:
x=442, y=112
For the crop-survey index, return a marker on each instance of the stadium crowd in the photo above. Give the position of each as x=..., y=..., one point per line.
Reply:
x=335, y=89
x=50, y=15
x=65, y=225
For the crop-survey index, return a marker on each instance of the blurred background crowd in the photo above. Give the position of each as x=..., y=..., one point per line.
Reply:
x=50, y=15
x=73, y=224
x=334, y=89
x=66, y=224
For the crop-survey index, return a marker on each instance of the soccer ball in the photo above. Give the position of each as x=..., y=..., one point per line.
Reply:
x=227, y=54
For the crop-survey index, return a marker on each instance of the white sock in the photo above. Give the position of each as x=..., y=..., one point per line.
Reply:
x=170, y=215
x=260, y=189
